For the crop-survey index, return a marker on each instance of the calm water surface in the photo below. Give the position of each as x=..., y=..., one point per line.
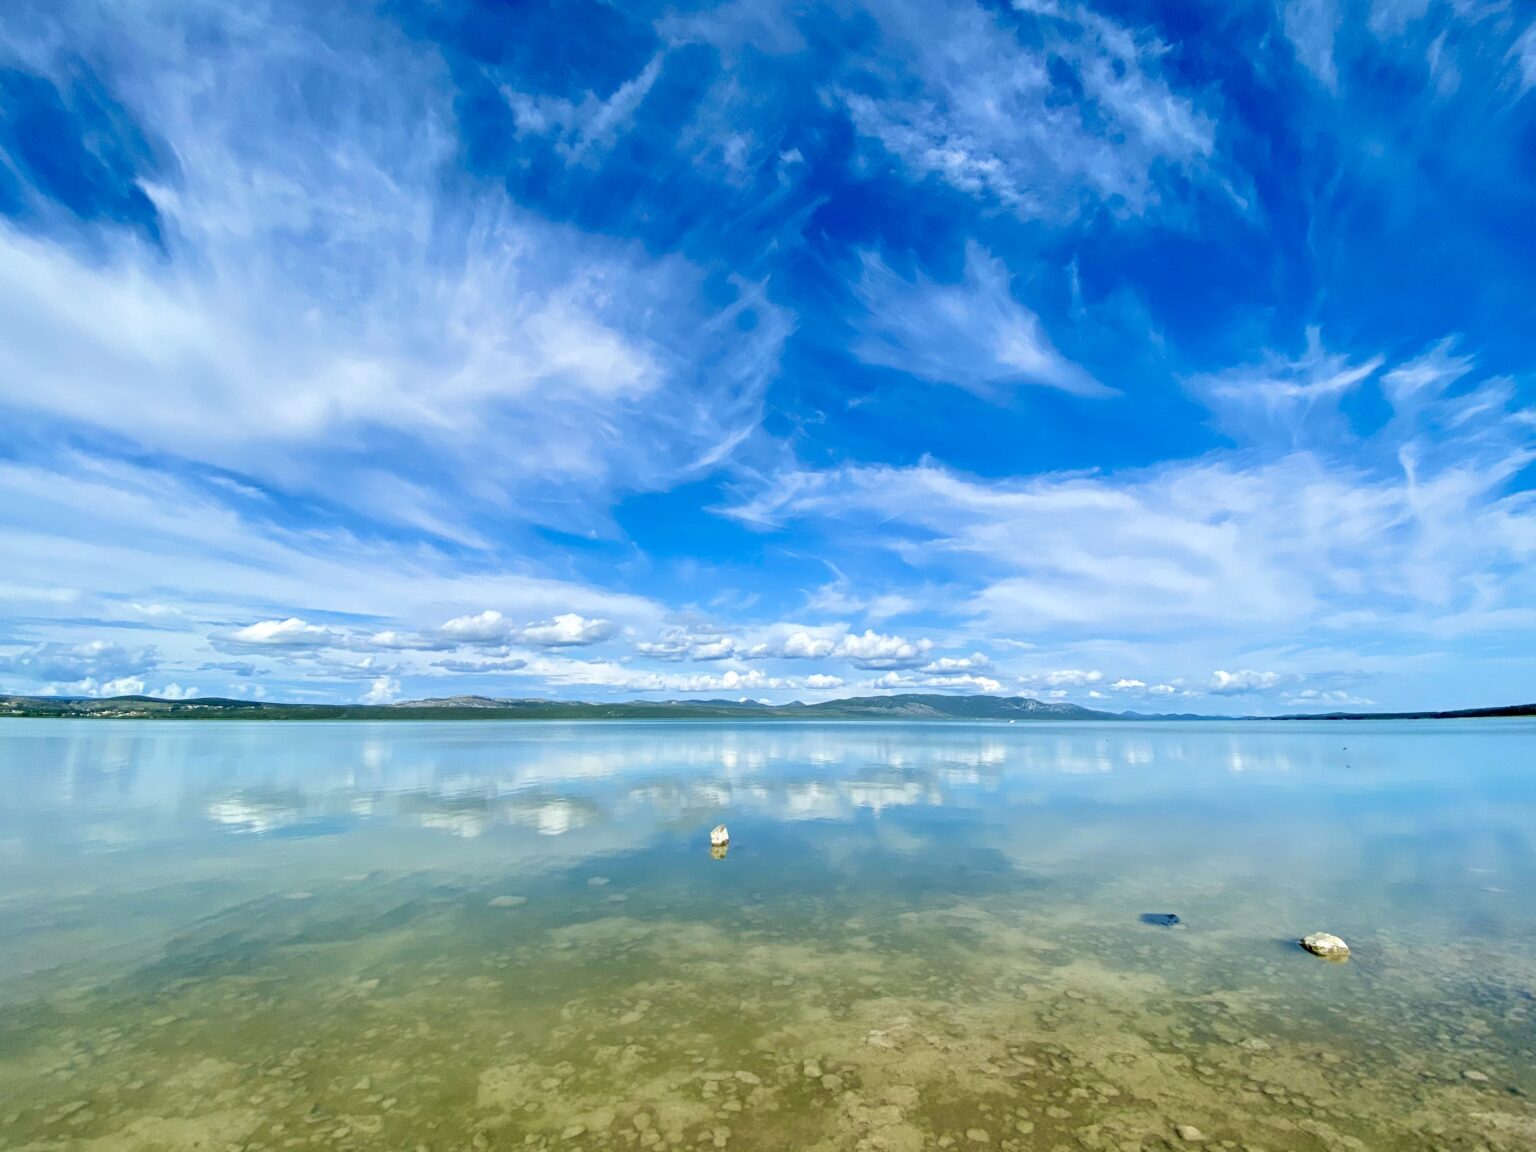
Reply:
x=491, y=936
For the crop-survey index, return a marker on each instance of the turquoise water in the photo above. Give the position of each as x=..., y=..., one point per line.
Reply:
x=485, y=935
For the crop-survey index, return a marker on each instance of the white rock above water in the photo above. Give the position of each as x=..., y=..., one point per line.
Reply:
x=719, y=836
x=1326, y=945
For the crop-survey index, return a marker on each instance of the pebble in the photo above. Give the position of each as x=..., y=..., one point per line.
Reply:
x=1189, y=1132
x=1472, y=1074
x=812, y=1070
x=978, y=1135
x=832, y=1082
x=573, y=1131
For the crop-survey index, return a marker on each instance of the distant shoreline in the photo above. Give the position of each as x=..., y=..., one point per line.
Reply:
x=902, y=707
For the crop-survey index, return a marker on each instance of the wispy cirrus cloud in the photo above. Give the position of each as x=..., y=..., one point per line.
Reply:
x=973, y=334
x=1400, y=529
x=1073, y=115
x=300, y=302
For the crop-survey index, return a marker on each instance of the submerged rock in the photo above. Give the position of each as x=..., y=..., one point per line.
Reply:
x=719, y=836
x=1326, y=945
x=1162, y=919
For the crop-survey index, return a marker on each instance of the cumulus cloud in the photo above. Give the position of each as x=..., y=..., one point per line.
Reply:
x=872, y=649
x=383, y=690
x=975, y=662
x=291, y=633
x=822, y=681
x=488, y=627
x=908, y=682
x=87, y=664
x=1242, y=682
x=567, y=630
x=805, y=646
x=973, y=334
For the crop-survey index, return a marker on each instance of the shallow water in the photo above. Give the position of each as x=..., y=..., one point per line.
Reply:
x=485, y=935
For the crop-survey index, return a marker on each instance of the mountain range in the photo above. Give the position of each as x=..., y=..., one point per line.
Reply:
x=899, y=707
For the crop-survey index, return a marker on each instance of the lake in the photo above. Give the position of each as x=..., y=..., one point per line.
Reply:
x=227, y=935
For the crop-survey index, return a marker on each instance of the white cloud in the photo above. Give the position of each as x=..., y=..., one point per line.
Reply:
x=479, y=666
x=973, y=334
x=1524, y=52
x=84, y=665
x=569, y=629
x=975, y=662
x=289, y=633
x=1336, y=698
x=1412, y=528
x=488, y=627
x=805, y=646
x=907, y=682
x=1067, y=677
x=383, y=690
x=319, y=291
x=1283, y=399
x=123, y=532
x=875, y=650
x=1126, y=684
x=578, y=127
x=1311, y=26
x=1242, y=682
x=822, y=681
x=975, y=106
x=1392, y=17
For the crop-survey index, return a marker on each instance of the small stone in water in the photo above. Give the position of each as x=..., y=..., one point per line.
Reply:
x=1479, y=1077
x=719, y=835
x=1189, y=1132
x=508, y=901
x=812, y=1070
x=1326, y=945
x=1161, y=919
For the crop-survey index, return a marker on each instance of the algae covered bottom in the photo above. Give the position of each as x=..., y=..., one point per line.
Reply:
x=225, y=936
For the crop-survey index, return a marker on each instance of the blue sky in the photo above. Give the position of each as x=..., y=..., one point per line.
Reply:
x=1157, y=356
